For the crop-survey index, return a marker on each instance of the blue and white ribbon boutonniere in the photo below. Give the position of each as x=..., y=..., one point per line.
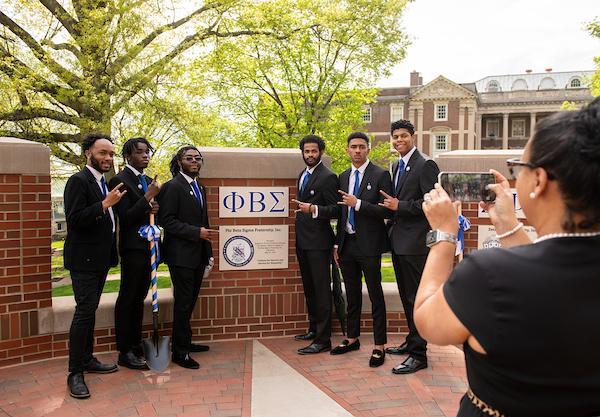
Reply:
x=463, y=224
x=151, y=233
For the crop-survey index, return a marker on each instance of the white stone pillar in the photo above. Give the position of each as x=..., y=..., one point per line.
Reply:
x=479, y=131
x=471, y=126
x=505, y=131
x=461, y=128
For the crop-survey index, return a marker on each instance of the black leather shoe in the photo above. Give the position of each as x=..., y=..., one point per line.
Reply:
x=76, y=386
x=345, y=347
x=199, y=348
x=185, y=361
x=377, y=358
x=95, y=367
x=410, y=366
x=131, y=360
x=398, y=350
x=306, y=336
x=315, y=348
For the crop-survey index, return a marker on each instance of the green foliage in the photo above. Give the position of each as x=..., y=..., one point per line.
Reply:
x=593, y=28
x=314, y=81
x=109, y=286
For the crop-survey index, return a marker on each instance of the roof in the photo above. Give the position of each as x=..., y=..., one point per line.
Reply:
x=561, y=79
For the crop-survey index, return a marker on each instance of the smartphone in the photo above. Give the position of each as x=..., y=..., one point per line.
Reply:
x=468, y=186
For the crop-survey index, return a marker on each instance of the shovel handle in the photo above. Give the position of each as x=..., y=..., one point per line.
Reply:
x=153, y=267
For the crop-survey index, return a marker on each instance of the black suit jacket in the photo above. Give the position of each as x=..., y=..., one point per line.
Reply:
x=88, y=246
x=320, y=190
x=181, y=219
x=409, y=224
x=133, y=210
x=371, y=232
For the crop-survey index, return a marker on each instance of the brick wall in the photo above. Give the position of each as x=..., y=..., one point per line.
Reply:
x=25, y=230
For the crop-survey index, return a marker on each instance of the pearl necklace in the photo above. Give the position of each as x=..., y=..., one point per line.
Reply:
x=555, y=235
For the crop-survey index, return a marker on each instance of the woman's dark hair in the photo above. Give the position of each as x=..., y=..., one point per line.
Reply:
x=567, y=146
x=132, y=144
x=177, y=157
x=313, y=139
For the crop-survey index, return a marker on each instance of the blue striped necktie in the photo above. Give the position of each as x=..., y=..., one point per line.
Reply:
x=197, y=192
x=400, y=171
x=355, y=192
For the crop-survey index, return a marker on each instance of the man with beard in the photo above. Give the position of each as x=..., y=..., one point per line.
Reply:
x=317, y=199
x=413, y=175
x=186, y=246
x=133, y=211
x=89, y=252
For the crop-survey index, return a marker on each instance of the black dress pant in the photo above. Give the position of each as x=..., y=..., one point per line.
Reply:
x=315, y=267
x=408, y=269
x=87, y=288
x=353, y=264
x=129, y=308
x=186, y=286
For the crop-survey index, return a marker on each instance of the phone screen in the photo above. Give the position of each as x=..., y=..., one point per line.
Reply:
x=468, y=187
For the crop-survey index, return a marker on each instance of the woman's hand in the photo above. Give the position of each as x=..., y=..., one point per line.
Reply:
x=440, y=211
x=502, y=210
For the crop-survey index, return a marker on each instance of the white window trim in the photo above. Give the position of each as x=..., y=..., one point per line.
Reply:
x=401, y=112
x=367, y=116
x=487, y=127
x=435, y=112
x=512, y=129
x=521, y=89
x=581, y=85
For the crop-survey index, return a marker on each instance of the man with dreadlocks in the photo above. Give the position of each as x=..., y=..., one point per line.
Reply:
x=186, y=246
x=133, y=211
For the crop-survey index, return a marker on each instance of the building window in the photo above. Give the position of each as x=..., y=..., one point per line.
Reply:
x=575, y=83
x=492, y=127
x=519, y=84
x=397, y=113
x=366, y=115
x=547, y=84
x=59, y=227
x=441, y=143
x=493, y=86
x=441, y=112
x=518, y=128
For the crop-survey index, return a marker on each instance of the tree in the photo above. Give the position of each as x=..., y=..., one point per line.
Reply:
x=593, y=28
x=75, y=66
x=315, y=81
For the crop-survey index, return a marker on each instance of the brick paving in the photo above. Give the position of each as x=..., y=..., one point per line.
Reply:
x=222, y=387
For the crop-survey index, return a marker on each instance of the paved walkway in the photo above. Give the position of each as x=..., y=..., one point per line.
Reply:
x=260, y=378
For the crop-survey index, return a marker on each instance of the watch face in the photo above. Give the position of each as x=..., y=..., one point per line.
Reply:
x=431, y=237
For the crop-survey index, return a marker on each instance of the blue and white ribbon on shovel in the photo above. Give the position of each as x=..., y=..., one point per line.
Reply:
x=463, y=224
x=152, y=234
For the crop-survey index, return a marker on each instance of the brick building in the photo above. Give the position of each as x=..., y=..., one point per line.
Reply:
x=496, y=112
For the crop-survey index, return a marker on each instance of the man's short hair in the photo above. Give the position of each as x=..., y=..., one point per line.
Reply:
x=313, y=139
x=403, y=124
x=132, y=144
x=91, y=138
x=358, y=135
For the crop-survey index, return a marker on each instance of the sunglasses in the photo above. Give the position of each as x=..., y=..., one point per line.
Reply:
x=515, y=165
x=193, y=158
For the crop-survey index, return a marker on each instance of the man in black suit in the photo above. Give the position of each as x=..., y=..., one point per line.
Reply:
x=360, y=241
x=89, y=253
x=317, y=199
x=186, y=246
x=413, y=175
x=133, y=211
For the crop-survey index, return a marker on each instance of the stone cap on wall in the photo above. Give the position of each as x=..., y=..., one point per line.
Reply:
x=477, y=161
x=251, y=163
x=18, y=156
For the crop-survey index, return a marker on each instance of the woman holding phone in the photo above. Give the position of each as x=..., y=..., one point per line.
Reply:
x=528, y=313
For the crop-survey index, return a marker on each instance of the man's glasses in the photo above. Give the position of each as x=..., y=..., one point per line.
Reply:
x=193, y=158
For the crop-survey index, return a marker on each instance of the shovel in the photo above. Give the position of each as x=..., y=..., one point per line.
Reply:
x=156, y=349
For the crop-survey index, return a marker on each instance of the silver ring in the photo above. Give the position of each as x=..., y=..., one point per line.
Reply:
x=426, y=200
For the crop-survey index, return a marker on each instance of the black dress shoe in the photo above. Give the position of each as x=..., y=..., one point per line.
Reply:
x=76, y=386
x=410, y=366
x=95, y=367
x=185, y=361
x=315, y=348
x=377, y=358
x=131, y=360
x=345, y=347
x=398, y=350
x=306, y=336
x=199, y=348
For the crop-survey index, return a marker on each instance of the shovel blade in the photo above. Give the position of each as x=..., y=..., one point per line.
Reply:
x=157, y=356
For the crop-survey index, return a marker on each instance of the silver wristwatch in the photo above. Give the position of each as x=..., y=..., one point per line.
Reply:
x=436, y=236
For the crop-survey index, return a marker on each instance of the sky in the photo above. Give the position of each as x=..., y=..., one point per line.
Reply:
x=467, y=40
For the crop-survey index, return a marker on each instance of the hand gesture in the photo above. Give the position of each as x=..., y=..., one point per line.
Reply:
x=302, y=207
x=113, y=197
x=206, y=233
x=389, y=202
x=440, y=211
x=347, y=199
x=153, y=189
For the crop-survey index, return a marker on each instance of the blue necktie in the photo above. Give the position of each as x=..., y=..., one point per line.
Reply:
x=304, y=182
x=103, y=186
x=144, y=183
x=197, y=191
x=400, y=171
x=351, y=214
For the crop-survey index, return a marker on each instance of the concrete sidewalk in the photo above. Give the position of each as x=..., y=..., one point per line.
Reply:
x=260, y=378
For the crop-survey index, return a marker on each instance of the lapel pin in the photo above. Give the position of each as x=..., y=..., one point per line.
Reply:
x=192, y=193
x=312, y=192
x=408, y=168
x=140, y=186
x=369, y=186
